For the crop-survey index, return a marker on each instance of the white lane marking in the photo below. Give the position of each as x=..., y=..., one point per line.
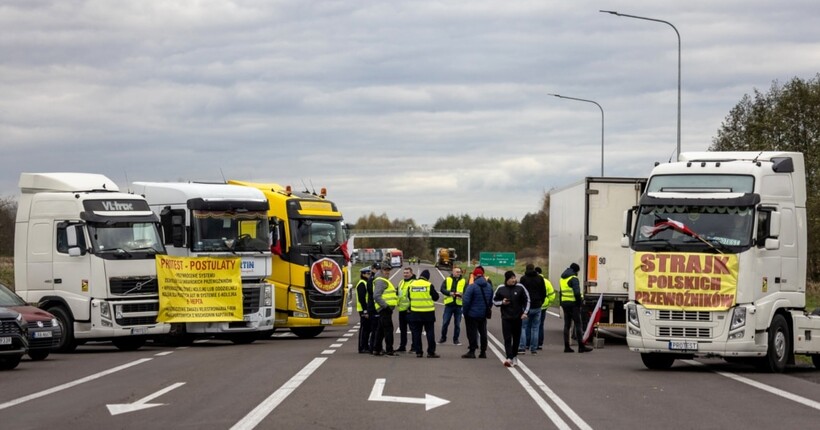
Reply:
x=267, y=406
x=548, y=410
x=162, y=354
x=759, y=385
x=202, y=341
x=328, y=351
x=554, y=397
x=335, y=345
x=342, y=339
x=555, y=314
x=429, y=401
x=71, y=384
x=283, y=335
x=348, y=334
x=123, y=408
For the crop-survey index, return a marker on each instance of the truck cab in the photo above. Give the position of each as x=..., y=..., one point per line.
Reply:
x=219, y=220
x=86, y=253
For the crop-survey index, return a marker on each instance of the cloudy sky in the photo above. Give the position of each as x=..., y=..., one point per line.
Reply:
x=417, y=109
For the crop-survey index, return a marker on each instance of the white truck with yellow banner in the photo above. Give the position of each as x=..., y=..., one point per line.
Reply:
x=309, y=259
x=224, y=231
x=719, y=261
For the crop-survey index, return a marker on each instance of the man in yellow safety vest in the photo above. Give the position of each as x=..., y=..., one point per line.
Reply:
x=571, y=299
x=422, y=296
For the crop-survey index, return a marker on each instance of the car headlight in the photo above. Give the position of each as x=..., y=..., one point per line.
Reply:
x=738, y=318
x=632, y=314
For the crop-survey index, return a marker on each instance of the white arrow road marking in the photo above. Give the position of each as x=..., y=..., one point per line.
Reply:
x=123, y=408
x=429, y=401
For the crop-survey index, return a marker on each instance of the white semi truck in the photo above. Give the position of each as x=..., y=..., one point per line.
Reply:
x=585, y=228
x=718, y=245
x=86, y=253
x=219, y=220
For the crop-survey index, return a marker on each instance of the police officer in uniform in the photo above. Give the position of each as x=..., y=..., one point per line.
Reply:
x=422, y=316
x=364, y=300
x=386, y=298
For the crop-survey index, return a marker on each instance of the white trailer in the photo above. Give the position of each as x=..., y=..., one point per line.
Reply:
x=86, y=253
x=216, y=220
x=585, y=228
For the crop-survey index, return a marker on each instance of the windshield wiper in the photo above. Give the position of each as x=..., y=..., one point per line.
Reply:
x=656, y=244
x=119, y=252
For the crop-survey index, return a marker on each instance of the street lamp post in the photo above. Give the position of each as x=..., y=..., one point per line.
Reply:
x=602, y=123
x=612, y=12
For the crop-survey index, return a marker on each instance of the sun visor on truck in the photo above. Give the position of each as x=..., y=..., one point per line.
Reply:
x=201, y=204
x=747, y=199
x=98, y=218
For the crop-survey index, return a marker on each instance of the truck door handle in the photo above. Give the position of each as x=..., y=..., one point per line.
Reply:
x=58, y=281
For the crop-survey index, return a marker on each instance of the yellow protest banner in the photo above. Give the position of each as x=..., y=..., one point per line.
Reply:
x=685, y=281
x=199, y=289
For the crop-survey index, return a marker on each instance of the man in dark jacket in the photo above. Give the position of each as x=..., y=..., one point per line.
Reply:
x=514, y=301
x=537, y=290
x=478, y=299
x=571, y=299
x=364, y=302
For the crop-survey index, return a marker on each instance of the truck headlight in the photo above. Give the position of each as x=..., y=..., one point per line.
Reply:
x=738, y=318
x=300, y=301
x=632, y=314
x=268, y=296
x=105, y=310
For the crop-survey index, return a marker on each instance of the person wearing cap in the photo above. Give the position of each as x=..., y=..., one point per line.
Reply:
x=537, y=290
x=371, y=308
x=571, y=300
x=453, y=290
x=386, y=299
x=477, y=301
x=551, y=297
x=514, y=302
x=362, y=298
x=404, y=306
x=422, y=314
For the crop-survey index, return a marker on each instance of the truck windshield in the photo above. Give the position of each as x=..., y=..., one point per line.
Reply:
x=317, y=232
x=698, y=225
x=126, y=239
x=230, y=231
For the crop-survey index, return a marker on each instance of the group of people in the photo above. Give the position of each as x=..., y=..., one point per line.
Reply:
x=523, y=305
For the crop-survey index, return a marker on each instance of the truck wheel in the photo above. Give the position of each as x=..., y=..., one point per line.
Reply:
x=67, y=342
x=9, y=362
x=815, y=358
x=657, y=361
x=38, y=355
x=779, y=346
x=307, y=332
x=128, y=343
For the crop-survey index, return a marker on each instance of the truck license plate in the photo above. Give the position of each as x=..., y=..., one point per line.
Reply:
x=680, y=345
x=5, y=341
x=327, y=321
x=139, y=330
x=41, y=334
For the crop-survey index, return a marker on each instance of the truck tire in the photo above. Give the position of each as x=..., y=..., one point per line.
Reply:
x=9, y=362
x=129, y=343
x=657, y=361
x=779, y=346
x=307, y=332
x=38, y=355
x=67, y=342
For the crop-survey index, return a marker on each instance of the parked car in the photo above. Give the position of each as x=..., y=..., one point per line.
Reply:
x=13, y=343
x=44, y=330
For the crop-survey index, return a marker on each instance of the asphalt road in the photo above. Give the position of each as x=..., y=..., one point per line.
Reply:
x=323, y=383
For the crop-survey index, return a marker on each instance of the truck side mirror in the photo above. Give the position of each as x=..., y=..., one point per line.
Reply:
x=71, y=237
x=774, y=224
x=627, y=227
x=771, y=243
x=173, y=226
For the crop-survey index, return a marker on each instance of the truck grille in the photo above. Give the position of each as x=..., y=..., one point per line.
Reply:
x=133, y=308
x=324, y=305
x=691, y=332
x=133, y=285
x=251, y=298
x=668, y=315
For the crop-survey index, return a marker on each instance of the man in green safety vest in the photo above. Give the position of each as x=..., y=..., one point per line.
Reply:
x=551, y=298
x=386, y=299
x=453, y=289
x=363, y=296
x=571, y=299
x=422, y=314
x=404, y=306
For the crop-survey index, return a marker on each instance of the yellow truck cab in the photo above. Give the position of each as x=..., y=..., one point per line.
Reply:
x=309, y=271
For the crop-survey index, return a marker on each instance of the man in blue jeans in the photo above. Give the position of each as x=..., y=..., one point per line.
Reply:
x=537, y=290
x=452, y=288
